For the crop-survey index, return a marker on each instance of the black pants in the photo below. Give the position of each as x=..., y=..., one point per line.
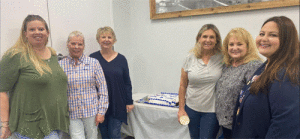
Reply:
x=226, y=133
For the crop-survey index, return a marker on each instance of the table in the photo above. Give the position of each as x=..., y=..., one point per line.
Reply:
x=148, y=121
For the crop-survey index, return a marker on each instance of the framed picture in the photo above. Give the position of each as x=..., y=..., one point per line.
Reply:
x=160, y=9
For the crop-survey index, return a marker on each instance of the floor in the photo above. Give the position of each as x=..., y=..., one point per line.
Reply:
x=66, y=136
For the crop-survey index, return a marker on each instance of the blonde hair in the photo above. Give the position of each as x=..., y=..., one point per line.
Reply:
x=104, y=30
x=241, y=35
x=197, y=48
x=23, y=47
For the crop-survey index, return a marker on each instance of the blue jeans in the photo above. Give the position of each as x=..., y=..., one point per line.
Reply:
x=110, y=128
x=53, y=135
x=202, y=125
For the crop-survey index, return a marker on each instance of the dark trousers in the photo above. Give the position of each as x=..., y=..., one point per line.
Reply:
x=226, y=133
x=110, y=128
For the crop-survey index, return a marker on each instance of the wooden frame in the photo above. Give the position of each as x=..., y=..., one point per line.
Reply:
x=221, y=9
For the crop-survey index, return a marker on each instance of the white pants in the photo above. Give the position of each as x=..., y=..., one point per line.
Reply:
x=83, y=128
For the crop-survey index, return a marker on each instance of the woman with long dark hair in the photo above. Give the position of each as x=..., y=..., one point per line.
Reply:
x=268, y=105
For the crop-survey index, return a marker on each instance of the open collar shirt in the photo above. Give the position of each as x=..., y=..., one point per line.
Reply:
x=83, y=77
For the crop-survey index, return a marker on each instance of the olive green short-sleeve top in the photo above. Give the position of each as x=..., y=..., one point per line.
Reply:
x=38, y=104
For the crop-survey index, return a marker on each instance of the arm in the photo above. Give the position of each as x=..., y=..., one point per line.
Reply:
x=9, y=74
x=102, y=93
x=182, y=92
x=4, y=115
x=128, y=87
x=284, y=105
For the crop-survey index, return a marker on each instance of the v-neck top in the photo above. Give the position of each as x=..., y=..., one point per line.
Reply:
x=119, y=87
x=202, y=78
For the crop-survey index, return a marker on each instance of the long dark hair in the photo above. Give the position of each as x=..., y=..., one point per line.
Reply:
x=286, y=57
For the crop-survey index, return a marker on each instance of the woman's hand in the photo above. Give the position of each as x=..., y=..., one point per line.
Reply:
x=181, y=94
x=129, y=108
x=5, y=132
x=180, y=113
x=99, y=119
x=4, y=114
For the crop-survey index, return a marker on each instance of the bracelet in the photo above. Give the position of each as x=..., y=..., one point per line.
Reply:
x=4, y=126
x=6, y=122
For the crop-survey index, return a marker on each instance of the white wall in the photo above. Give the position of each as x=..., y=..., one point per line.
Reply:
x=155, y=49
x=13, y=13
x=85, y=16
x=0, y=29
x=65, y=16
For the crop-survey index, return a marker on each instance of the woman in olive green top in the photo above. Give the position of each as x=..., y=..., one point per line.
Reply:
x=37, y=86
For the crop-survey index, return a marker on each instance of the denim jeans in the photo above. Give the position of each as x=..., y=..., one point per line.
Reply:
x=83, y=126
x=110, y=128
x=202, y=125
x=53, y=135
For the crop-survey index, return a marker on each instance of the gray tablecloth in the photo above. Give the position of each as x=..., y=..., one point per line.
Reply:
x=148, y=121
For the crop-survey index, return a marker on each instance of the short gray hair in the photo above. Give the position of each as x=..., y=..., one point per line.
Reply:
x=75, y=33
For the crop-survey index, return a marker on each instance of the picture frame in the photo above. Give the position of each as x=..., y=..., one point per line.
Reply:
x=161, y=9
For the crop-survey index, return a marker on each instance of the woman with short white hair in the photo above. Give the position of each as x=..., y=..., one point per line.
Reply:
x=87, y=90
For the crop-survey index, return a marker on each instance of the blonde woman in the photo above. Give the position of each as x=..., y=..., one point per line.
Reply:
x=117, y=77
x=29, y=71
x=199, y=74
x=241, y=60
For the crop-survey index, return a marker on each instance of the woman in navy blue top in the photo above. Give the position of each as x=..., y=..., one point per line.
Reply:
x=116, y=73
x=268, y=106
